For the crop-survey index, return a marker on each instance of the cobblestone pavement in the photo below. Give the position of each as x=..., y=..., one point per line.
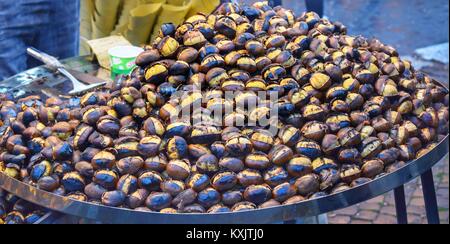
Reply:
x=381, y=210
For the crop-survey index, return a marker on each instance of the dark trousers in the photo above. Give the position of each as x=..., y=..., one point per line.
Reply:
x=315, y=6
x=49, y=25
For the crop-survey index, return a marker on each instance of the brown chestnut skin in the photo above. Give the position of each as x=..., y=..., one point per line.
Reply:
x=178, y=169
x=275, y=175
x=150, y=181
x=372, y=168
x=239, y=146
x=48, y=183
x=283, y=192
x=249, y=177
x=233, y=164
x=103, y=160
x=257, y=160
x=330, y=144
x=269, y=204
x=158, y=200
x=307, y=184
x=130, y=165
x=113, y=198
x=207, y=164
x=184, y=198
x=149, y=146
x=294, y=199
x=137, y=198
x=84, y=168
x=232, y=197
x=147, y=57
x=157, y=163
x=193, y=208
x=257, y=194
x=208, y=197
x=173, y=187
x=94, y=191
x=198, y=182
x=299, y=166
x=224, y=181
x=219, y=208
x=350, y=155
x=280, y=154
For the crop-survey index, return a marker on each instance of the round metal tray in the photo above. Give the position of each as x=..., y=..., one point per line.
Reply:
x=306, y=208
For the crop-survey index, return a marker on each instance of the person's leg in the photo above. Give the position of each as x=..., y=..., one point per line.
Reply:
x=315, y=6
x=16, y=28
x=13, y=57
x=60, y=36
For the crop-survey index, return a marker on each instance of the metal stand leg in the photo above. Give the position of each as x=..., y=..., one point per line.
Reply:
x=429, y=195
x=400, y=205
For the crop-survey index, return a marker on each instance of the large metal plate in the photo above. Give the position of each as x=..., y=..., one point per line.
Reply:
x=307, y=208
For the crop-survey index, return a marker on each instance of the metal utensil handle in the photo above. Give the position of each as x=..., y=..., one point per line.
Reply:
x=74, y=80
x=52, y=62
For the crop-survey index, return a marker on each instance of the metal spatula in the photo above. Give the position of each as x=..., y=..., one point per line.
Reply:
x=54, y=64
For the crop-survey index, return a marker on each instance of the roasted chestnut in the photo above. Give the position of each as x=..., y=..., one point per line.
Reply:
x=238, y=146
x=173, y=187
x=249, y=177
x=177, y=147
x=257, y=194
x=168, y=46
x=372, y=168
x=275, y=176
x=309, y=148
x=198, y=182
x=257, y=160
x=105, y=178
x=137, y=198
x=130, y=165
x=94, y=191
x=184, y=198
x=207, y=164
x=73, y=182
x=248, y=107
x=158, y=201
x=243, y=206
x=208, y=197
x=233, y=164
x=113, y=198
x=299, y=166
x=103, y=160
x=280, y=154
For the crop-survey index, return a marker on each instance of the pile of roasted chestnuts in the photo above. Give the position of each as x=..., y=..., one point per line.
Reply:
x=14, y=210
x=347, y=110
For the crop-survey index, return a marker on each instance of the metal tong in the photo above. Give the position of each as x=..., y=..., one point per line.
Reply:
x=56, y=66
